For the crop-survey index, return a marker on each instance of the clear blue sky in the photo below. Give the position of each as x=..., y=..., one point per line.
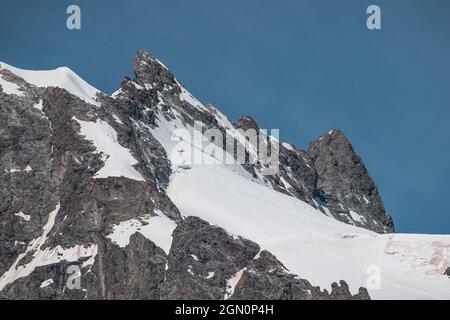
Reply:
x=301, y=66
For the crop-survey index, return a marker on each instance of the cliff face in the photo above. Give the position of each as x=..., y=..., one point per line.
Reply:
x=344, y=186
x=84, y=179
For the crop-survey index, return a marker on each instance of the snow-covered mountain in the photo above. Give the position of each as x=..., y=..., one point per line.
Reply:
x=107, y=183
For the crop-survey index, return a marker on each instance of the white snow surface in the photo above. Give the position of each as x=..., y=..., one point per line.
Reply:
x=22, y=215
x=185, y=95
x=310, y=244
x=10, y=87
x=27, y=169
x=117, y=119
x=47, y=256
x=157, y=228
x=119, y=160
x=232, y=282
x=61, y=77
x=288, y=146
x=39, y=105
x=46, y=283
x=357, y=217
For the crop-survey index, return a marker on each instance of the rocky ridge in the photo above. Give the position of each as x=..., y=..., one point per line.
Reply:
x=55, y=209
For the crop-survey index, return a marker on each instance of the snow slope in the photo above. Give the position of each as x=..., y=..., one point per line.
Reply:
x=42, y=257
x=157, y=228
x=118, y=160
x=10, y=87
x=310, y=244
x=61, y=77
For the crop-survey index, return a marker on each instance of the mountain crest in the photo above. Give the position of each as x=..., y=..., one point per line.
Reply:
x=345, y=184
x=247, y=122
x=106, y=183
x=149, y=71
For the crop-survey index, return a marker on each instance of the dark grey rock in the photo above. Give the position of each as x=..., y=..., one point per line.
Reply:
x=202, y=259
x=265, y=278
x=345, y=184
x=45, y=162
x=330, y=176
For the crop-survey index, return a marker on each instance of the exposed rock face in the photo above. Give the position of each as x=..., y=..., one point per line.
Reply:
x=329, y=176
x=350, y=194
x=265, y=278
x=202, y=259
x=134, y=272
x=343, y=184
x=148, y=70
x=447, y=272
x=56, y=212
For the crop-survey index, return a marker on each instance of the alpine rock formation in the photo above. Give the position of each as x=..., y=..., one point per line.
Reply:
x=89, y=181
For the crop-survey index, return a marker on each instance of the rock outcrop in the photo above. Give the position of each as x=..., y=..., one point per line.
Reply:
x=57, y=211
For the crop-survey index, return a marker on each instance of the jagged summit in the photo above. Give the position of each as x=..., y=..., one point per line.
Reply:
x=333, y=133
x=150, y=71
x=345, y=183
x=247, y=122
x=110, y=186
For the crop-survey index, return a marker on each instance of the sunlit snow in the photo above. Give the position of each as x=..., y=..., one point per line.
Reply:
x=119, y=162
x=157, y=228
x=61, y=77
x=42, y=257
x=10, y=87
x=310, y=244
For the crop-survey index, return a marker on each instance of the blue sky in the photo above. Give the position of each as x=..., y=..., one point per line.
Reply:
x=301, y=66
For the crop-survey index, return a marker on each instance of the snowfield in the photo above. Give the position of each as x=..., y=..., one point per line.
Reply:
x=42, y=257
x=309, y=243
x=118, y=160
x=157, y=228
x=10, y=87
x=61, y=77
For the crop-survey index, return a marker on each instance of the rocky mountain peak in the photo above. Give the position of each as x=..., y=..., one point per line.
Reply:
x=345, y=184
x=246, y=122
x=332, y=134
x=335, y=146
x=89, y=180
x=149, y=71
